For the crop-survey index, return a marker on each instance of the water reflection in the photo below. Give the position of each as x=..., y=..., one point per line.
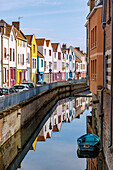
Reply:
x=57, y=153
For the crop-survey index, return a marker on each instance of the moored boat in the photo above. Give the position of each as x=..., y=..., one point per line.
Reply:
x=88, y=142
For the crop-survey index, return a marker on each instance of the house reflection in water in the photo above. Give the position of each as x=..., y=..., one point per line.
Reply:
x=65, y=112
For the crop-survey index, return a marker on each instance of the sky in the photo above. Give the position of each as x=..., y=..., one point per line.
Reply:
x=61, y=21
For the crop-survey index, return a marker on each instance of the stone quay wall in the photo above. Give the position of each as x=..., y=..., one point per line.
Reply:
x=16, y=117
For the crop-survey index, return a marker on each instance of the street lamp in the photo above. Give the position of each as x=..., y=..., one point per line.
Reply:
x=8, y=66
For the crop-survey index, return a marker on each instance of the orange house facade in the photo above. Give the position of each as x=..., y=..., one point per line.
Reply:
x=96, y=49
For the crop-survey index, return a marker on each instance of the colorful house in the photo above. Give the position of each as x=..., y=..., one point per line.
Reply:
x=40, y=66
x=28, y=61
x=96, y=46
x=33, y=64
x=66, y=51
x=8, y=68
x=45, y=48
x=21, y=47
x=58, y=63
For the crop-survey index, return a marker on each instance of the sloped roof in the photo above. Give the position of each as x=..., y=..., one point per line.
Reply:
x=18, y=34
x=40, y=42
x=47, y=43
x=55, y=46
x=8, y=27
x=8, y=30
x=40, y=55
x=64, y=50
x=29, y=38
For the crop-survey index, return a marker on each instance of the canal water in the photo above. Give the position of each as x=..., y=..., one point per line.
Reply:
x=55, y=148
x=53, y=143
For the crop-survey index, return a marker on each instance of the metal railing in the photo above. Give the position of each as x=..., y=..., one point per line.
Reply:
x=17, y=98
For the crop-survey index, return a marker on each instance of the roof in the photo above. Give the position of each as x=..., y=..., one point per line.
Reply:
x=18, y=34
x=40, y=42
x=64, y=50
x=29, y=38
x=77, y=53
x=47, y=43
x=8, y=30
x=8, y=27
x=55, y=46
x=40, y=55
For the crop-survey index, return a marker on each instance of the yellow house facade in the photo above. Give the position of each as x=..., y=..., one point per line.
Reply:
x=33, y=59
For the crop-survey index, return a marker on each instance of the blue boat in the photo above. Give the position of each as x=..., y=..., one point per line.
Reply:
x=88, y=142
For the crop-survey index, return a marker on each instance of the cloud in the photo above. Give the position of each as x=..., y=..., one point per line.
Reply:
x=33, y=31
x=6, y=5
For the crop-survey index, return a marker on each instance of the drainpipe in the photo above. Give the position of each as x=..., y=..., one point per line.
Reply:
x=89, y=52
x=102, y=90
x=111, y=74
x=2, y=59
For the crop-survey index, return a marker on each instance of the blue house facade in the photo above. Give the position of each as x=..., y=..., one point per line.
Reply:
x=40, y=66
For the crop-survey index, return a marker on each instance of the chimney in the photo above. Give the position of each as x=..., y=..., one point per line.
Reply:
x=16, y=24
x=64, y=46
x=78, y=48
x=92, y=4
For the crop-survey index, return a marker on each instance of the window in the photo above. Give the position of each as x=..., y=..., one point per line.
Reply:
x=13, y=54
x=4, y=52
x=44, y=51
x=67, y=57
x=76, y=65
x=11, y=37
x=94, y=37
x=49, y=64
x=55, y=55
x=73, y=57
x=59, y=119
x=33, y=48
x=41, y=63
x=63, y=66
x=63, y=57
x=55, y=65
x=34, y=63
x=10, y=54
x=22, y=59
x=67, y=66
x=28, y=55
x=44, y=65
x=49, y=52
x=23, y=43
x=83, y=66
x=59, y=56
x=18, y=42
x=93, y=69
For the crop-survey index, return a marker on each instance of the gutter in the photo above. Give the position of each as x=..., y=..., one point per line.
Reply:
x=89, y=52
x=102, y=90
x=111, y=74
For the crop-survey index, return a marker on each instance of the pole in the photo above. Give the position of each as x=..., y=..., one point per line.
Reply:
x=111, y=73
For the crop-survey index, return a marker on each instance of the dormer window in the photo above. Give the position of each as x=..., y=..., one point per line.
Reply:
x=33, y=48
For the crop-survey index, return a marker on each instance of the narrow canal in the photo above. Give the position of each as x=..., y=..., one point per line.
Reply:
x=53, y=144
